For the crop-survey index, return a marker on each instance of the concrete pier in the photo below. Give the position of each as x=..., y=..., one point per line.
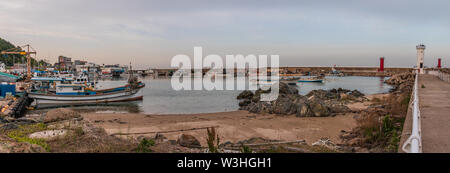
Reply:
x=435, y=113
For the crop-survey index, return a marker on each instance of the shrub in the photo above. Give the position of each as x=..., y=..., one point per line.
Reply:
x=246, y=149
x=144, y=146
x=213, y=140
x=21, y=134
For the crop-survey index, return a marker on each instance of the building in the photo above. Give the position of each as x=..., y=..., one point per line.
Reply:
x=79, y=62
x=420, y=57
x=19, y=68
x=2, y=67
x=64, y=63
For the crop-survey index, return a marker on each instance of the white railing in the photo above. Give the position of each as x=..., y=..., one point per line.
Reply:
x=440, y=74
x=414, y=143
x=444, y=76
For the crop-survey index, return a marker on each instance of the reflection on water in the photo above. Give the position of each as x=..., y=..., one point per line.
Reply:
x=367, y=85
x=160, y=98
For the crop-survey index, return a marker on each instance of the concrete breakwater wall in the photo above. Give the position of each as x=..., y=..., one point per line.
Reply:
x=351, y=71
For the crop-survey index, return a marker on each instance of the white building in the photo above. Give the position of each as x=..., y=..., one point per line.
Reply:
x=2, y=67
x=420, y=57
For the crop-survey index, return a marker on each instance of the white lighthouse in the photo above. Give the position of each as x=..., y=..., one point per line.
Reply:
x=420, y=55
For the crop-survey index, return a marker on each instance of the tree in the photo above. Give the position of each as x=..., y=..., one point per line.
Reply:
x=10, y=60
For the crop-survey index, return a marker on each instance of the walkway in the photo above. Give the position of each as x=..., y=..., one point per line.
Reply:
x=435, y=112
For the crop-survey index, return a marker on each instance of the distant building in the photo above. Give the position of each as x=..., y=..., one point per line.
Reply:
x=2, y=67
x=420, y=56
x=79, y=62
x=87, y=67
x=64, y=63
x=19, y=68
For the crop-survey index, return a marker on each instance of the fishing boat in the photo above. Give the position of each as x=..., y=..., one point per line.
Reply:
x=290, y=78
x=63, y=91
x=312, y=79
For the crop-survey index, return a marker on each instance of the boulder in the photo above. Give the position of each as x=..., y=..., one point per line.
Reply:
x=245, y=102
x=356, y=93
x=400, y=78
x=325, y=142
x=8, y=126
x=286, y=89
x=318, y=107
x=402, y=82
x=338, y=108
x=48, y=134
x=60, y=114
x=188, y=141
x=317, y=103
x=284, y=106
x=303, y=110
x=160, y=138
x=245, y=95
x=260, y=107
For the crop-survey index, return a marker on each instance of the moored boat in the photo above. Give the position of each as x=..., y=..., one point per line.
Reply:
x=311, y=79
x=80, y=92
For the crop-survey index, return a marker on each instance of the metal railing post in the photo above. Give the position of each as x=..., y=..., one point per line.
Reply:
x=414, y=143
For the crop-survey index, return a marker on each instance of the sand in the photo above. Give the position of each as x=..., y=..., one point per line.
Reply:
x=233, y=126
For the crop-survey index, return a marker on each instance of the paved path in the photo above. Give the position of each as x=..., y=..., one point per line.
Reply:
x=435, y=111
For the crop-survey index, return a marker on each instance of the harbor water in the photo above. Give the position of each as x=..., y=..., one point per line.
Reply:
x=160, y=98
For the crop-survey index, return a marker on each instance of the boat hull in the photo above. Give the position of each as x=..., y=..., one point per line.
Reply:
x=311, y=81
x=123, y=96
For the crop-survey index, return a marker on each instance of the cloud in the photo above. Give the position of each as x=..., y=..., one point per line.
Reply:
x=152, y=31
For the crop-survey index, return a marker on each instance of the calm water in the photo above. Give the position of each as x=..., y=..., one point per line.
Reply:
x=159, y=98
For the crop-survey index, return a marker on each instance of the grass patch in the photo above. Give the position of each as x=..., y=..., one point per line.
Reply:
x=306, y=148
x=423, y=86
x=383, y=132
x=144, y=146
x=246, y=149
x=213, y=140
x=21, y=134
x=376, y=100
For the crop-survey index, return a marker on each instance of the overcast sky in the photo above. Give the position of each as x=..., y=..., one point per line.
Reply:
x=303, y=33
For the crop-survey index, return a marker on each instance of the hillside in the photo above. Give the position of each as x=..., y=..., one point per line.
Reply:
x=9, y=60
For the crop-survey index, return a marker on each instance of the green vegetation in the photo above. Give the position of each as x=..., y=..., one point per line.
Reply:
x=10, y=60
x=405, y=101
x=423, y=86
x=384, y=133
x=144, y=146
x=21, y=134
x=376, y=100
x=246, y=149
x=213, y=140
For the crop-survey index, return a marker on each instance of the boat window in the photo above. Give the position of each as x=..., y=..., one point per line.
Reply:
x=77, y=88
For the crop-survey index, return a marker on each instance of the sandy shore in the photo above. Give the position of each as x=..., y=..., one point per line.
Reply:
x=233, y=126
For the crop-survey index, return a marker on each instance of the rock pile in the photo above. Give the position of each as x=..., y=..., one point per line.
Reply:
x=60, y=114
x=317, y=103
x=188, y=141
x=402, y=82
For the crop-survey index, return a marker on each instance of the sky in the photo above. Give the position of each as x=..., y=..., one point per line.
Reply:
x=148, y=33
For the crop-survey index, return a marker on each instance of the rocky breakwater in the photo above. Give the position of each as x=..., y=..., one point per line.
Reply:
x=317, y=103
x=402, y=82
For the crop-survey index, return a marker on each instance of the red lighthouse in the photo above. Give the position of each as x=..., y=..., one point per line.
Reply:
x=381, y=69
x=439, y=63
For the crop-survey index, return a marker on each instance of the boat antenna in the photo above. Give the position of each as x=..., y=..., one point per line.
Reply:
x=131, y=70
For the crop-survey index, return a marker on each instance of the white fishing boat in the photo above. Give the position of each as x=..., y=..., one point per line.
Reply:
x=59, y=99
x=79, y=92
x=318, y=79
